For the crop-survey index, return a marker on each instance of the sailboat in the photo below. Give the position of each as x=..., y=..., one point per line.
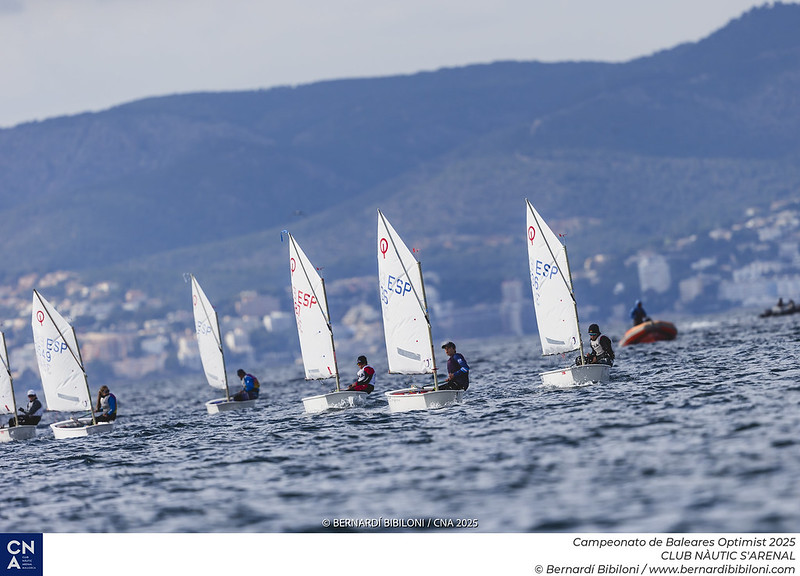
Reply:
x=316, y=333
x=555, y=305
x=209, y=342
x=64, y=380
x=406, y=323
x=8, y=403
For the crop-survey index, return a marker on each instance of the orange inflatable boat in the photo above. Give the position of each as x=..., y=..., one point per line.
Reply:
x=650, y=331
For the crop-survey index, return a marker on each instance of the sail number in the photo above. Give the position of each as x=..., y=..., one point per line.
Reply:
x=203, y=328
x=396, y=286
x=53, y=346
x=303, y=299
x=543, y=270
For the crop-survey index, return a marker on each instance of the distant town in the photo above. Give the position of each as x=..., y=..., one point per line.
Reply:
x=128, y=334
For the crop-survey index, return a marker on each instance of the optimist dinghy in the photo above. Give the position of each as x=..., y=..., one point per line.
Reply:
x=64, y=380
x=209, y=342
x=406, y=324
x=316, y=333
x=8, y=403
x=555, y=305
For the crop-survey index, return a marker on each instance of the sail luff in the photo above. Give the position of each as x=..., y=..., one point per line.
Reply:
x=330, y=327
x=222, y=356
x=575, y=306
x=85, y=375
x=430, y=331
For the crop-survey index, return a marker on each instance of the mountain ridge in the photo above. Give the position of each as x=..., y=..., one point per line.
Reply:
x=145, y=190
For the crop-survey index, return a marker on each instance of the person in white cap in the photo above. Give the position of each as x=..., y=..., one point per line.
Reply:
x=28, y=415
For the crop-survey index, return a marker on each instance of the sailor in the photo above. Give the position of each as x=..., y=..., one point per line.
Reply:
x=250, y=386
x=638, y=315
x=28, y=415
x=601, y=353
x=457, y=369
x=106, y=405
x=365, y=377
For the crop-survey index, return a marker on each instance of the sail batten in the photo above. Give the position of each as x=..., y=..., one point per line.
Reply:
x=209, y=340
x=406, y=323
x=551, y=284
x=314, y=327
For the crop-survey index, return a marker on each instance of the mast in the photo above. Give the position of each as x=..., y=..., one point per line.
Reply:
x=430, y=333
x=85, y=376
x=330, y=330
x=10, y=379
x=574, y=304
x=222, y=355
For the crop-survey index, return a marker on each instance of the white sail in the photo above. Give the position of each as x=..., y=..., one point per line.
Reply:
x=311, y=312
x=406, y=324
x=8, y=404
x=209, y=341
x=59, y=358
x=556, y=313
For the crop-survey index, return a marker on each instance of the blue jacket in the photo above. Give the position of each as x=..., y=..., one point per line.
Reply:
x=458, y=367
x=248, y=383
x=112, y=404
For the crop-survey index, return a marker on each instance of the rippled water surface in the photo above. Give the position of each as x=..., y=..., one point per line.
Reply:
x=696, y=435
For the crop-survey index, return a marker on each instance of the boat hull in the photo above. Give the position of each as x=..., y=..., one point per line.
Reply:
x=333, y=401
x=25, y=432
x=79, y=428
x=576, y=375
x=224, y=405
x=785, y=310
x=650, y=331
x=409, y=399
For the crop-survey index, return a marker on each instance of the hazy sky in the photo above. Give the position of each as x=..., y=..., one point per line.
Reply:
x=68, y=56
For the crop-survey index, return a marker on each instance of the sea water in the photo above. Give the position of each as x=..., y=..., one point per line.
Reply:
x=695, y=435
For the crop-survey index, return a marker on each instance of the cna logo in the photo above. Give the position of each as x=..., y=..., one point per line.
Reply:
x=21, y=554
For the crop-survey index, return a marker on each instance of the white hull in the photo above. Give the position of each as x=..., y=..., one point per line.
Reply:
x=576, y=375
x=79, y=428
x=422, y=399
x=224, y=405
x=25, y=432
x=334, y=400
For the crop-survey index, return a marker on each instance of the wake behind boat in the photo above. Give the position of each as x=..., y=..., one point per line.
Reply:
x=209, y=342
x=8, y=402
x=316, y=333
x=649, y=331
x=64, y=380
x=406, y=324
x=555, y=305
